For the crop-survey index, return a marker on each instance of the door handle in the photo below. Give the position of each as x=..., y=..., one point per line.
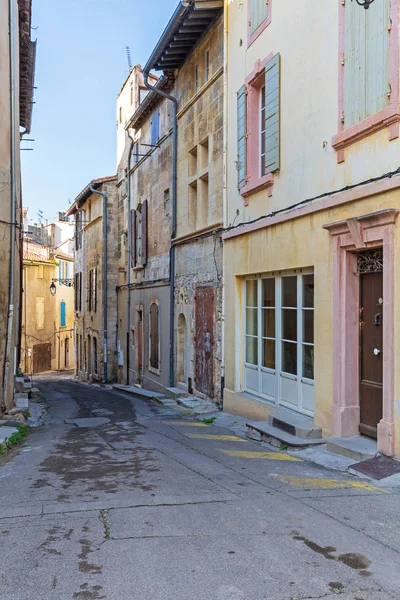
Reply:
x=377, y=319
x=377, y=351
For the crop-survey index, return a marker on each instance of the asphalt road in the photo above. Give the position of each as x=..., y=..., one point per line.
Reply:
x=147, y=504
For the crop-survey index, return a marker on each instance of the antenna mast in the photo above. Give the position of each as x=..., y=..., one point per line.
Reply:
x=128, y=55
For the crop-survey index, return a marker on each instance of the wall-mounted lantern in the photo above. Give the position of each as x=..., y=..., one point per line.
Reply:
x=364, y=3
x=66, y=282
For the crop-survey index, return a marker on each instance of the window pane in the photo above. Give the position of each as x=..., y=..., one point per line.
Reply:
x=308, y=326
x=289, y=357
x=289, y=291
x=251, y=350
x=268, y=292
x=268, y=322
x=289, y=324
x=308, y=291
x=308, y=362
x=251, y=292
x=251, y=321
x=268, y=347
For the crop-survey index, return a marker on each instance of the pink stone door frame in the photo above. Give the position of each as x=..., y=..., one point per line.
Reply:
x=353, y=235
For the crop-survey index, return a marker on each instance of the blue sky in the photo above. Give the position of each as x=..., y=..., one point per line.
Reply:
x=80, y=67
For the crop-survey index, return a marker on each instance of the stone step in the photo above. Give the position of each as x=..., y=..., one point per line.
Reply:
x=21, y=401
x=356, y=447
x=295, y=424
x=175, y=393
x=137, y=391
x=263, y=431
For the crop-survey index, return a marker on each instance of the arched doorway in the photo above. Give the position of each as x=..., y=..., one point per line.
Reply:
x=181, y=363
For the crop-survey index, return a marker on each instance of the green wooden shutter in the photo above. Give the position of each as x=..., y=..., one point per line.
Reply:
x=258, y=13
x=242, y=135
x=366, y=60
x=272, y=114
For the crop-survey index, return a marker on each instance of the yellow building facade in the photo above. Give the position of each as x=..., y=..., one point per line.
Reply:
x=312, y=198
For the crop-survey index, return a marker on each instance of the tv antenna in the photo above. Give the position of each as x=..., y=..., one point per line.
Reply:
x=128, y=55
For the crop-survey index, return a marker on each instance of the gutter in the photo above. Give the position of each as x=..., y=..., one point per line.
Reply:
x=105, y=323
x=155, y=55
x=182, y=7
x=128, y=315
x=13, y=178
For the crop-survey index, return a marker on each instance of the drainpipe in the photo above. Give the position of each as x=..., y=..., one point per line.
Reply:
x=105, y=348
x=128, y=316
x=13, y=207
x=173, y=224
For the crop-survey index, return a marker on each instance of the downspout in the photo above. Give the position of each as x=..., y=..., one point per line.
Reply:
x=13, y=113
x=105, y=345
x=128, y=316
x=224, y=188
x=173, y=224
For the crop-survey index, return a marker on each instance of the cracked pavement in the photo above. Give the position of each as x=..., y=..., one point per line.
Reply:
x=137, y=507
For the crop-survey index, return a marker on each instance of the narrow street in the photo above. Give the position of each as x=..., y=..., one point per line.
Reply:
x=141, y=502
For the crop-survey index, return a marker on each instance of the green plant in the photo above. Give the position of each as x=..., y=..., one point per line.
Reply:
x=209, y=420
x=17, y=437
x=283, y=446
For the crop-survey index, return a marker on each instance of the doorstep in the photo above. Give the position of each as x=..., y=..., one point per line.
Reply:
x=356, y=447
x=286, y=427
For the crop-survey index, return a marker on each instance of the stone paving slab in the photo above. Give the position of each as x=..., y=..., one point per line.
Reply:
x=87, y=422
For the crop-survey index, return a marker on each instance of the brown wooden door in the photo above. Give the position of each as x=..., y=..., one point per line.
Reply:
x=41, y=358
x=204, y=340
x=139, y=368
x=371, y=352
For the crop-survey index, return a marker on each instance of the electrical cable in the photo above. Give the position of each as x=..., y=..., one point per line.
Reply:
x=273, y=213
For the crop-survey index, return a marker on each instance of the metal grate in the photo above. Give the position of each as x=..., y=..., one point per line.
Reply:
x=370, y=261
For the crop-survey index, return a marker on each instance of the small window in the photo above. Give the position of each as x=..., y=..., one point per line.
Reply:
x=131, y=96
x=196, y=78
x=207, y=65
x=120, y=114
x=154, y=337
x=155, y=128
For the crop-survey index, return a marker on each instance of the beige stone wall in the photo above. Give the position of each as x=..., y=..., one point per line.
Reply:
x=90, y=256
x=5, y=199
x=200, y=199
x=36, y=284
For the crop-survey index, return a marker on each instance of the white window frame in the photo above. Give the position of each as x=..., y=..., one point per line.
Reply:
x=256, y=371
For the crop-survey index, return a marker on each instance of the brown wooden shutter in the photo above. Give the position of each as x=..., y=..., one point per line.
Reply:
x=133, y=237
x=95, y=289
x=80, y=291
x=144, y=231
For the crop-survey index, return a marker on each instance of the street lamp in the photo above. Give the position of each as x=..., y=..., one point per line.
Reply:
x=364, y=3
x=53, y=288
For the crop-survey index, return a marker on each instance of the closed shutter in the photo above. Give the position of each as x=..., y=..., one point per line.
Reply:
x=272, y=114
x=144, y=231
x=76, y=291
x=258, y=13
x=242, y=135
x=79, y=291
x=155, y=128
x=133, y=237
x=94, y=283
x=63, y=314
x=154, y=337
x=366, y=61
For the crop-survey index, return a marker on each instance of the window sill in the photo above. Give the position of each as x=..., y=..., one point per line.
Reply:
x=262, y=183
x=155, y=371
x=388, y=117
x=251, y=37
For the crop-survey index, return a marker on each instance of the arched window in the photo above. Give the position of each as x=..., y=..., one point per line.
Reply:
x=154, y=336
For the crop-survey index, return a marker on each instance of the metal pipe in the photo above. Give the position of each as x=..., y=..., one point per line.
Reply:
x=173, y=222
x=128, y=316
x=105, y=345
x=13, y=178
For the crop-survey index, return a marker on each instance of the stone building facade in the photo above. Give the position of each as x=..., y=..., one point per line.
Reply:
x=193, y=74
x=149, y=208
x=47, y=323
x=95, y=344
x=17, y=56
